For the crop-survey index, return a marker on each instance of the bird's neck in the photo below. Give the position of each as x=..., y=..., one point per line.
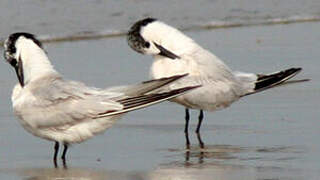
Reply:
x=170, y=38
x=35, y=64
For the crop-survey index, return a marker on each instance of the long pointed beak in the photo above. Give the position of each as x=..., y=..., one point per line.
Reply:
x=166, y=53
x=19, y=72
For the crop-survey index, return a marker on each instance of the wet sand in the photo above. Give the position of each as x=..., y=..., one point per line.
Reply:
x=271, y=135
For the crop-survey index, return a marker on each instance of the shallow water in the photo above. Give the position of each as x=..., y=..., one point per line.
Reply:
x=271, y=135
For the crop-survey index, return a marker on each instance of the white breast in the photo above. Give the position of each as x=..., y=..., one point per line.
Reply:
x=219, y=87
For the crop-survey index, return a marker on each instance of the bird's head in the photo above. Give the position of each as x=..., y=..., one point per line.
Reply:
x=148, y=36
x=22, y=51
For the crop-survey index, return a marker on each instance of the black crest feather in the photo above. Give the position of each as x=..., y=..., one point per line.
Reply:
x=135, y=40
x=11, y=41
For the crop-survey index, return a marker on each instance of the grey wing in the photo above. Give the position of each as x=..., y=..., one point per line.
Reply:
x=210, y=66
x=146, y=86
x=58, y=103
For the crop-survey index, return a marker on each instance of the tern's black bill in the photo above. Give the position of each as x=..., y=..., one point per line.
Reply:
x=166, y=53
x=19, y=71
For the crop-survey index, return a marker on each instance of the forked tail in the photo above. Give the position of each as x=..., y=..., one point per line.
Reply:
x=267, y=81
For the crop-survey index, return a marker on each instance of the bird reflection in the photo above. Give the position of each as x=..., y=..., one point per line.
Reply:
x=203, y=156
x=226, y=162
x=201, y=162
x=194, y=163
x=215, y=152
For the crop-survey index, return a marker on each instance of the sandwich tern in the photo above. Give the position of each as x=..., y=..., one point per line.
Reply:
x=175, y=53
x=66, y=112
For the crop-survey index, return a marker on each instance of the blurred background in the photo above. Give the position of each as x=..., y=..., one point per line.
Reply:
x=272, y=135
x=63, y=19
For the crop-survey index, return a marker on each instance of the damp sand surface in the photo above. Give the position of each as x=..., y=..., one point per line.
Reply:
x=271, y=135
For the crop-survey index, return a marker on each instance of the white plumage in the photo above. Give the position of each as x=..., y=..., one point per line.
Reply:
x=175, y=53
x=64, y=111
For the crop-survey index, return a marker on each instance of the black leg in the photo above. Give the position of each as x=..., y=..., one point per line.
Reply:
x=201, y=144
x=63, y=157
x=201, y=156
x=64, y=151
x=200, y=121
x=198, y=129
x=187, y=117
x=56, y=149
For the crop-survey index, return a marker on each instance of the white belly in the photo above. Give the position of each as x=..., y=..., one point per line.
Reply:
x=76, y=133
x=213, y=95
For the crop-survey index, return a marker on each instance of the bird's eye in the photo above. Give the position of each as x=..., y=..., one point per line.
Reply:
x=13, y=62
x=147, y=44
x=10, y=59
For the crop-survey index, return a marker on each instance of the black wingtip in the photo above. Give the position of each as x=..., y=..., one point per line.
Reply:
x=138, y=102
x=293, y=70
x=135, y=102
x=270, y=80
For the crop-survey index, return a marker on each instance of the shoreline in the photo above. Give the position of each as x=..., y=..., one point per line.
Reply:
x=94, y=35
